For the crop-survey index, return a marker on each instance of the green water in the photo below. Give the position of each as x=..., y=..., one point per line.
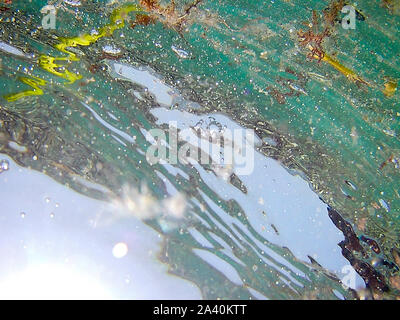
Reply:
x=242, y=59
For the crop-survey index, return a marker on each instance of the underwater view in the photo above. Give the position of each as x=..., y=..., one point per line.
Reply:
x=200, y=149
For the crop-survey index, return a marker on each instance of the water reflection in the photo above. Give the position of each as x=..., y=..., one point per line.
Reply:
x=137, y=225
x=264, y=235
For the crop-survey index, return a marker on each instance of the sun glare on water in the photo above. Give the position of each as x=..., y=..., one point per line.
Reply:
x=52, y=281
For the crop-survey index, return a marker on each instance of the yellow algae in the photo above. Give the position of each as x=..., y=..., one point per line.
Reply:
x=48, y=63
x=117, y=21
x=393, y=6
x=350, y=74
x=33, y=82
x=390, y=88
x=51, y=64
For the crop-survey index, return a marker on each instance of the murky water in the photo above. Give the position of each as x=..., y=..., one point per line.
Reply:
x=307, y=208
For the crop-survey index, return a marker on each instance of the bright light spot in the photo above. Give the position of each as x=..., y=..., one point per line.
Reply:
x=120, y=250
x=51, y=282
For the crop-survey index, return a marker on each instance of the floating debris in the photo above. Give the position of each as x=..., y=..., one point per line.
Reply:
x=350, y=184
x=175, y=206
x=143, y=205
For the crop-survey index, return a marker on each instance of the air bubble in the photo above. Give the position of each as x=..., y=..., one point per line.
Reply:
x=180, y=52
x=384, y=204
x=111, y=49
x=74, y=3
x=4, y=165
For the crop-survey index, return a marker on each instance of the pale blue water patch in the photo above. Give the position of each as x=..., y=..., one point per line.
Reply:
x=7, y=48
x=121, y=133
x=274, y=197
x=52, y=225
x=220, y=264
x=145, y=77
